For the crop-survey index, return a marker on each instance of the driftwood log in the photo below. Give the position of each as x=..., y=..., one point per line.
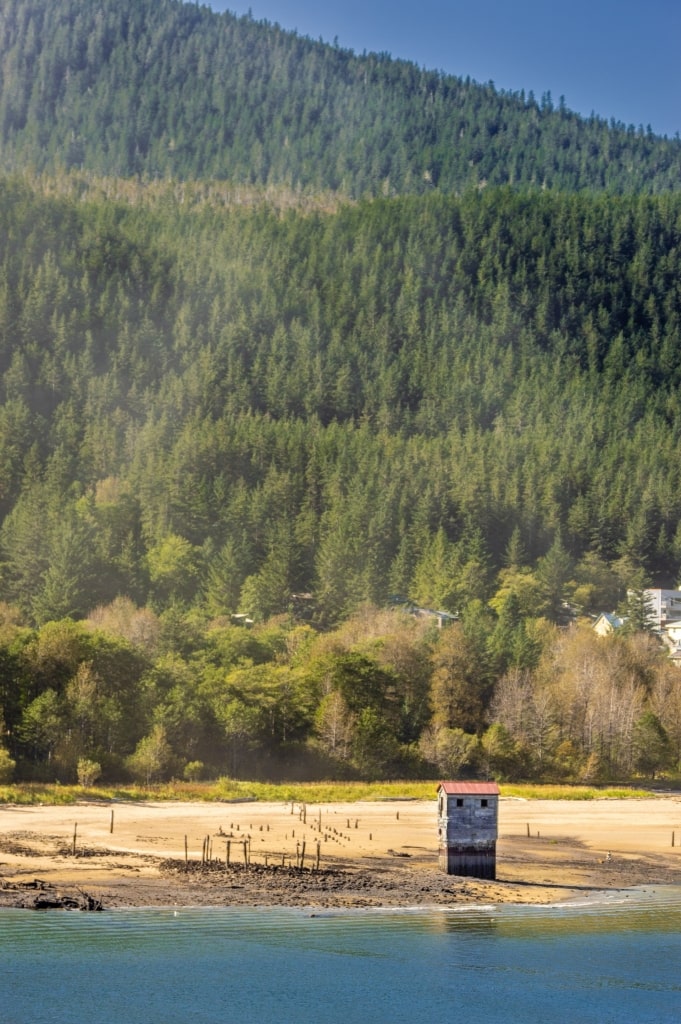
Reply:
x=48, y=897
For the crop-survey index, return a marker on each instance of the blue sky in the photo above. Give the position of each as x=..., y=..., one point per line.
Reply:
x=618, y=58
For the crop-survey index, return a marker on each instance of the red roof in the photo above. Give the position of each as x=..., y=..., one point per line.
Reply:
x=491, y=788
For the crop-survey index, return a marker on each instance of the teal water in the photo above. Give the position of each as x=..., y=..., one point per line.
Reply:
x=616, y=959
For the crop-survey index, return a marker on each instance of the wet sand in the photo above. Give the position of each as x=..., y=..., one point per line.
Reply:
x=366, y=854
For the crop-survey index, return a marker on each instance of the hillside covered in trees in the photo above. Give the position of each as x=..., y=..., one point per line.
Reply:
x=262, y=397
x=163, y=88
x=211, y=404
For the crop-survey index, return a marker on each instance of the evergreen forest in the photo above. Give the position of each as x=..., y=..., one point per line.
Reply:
x=163, y=88
x=297, y=347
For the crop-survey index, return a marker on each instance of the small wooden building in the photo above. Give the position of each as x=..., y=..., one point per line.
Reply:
x=467, y=824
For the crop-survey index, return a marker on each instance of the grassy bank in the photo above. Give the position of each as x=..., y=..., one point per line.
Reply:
x=307, y=792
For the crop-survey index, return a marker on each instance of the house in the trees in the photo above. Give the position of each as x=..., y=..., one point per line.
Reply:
x=664, y=607
x=467, y=824
x=671, y=635
x=406, y=604
x=607, y=622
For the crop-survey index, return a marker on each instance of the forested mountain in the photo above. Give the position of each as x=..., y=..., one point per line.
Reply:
x=241, y=376
x=169, y=89
x=356, y=402
x=212, y=401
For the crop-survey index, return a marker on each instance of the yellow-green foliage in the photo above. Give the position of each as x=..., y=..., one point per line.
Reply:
x=56, y=795
x=572, y=793
x=304, y=792
x=327, y=792
x=7, y=766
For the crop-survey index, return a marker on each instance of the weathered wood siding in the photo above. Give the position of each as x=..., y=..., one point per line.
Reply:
x=467, y=834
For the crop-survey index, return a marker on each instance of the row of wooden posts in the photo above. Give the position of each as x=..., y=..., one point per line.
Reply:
x=75, y=833
x=207, y=851
x=302, y=815
x=245, y=844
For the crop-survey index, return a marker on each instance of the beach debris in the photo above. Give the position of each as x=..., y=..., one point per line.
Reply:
x=49, y=897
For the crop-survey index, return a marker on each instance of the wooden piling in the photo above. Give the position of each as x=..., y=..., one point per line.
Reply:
x=186, y=855
x=75, y=836
x=112, y=821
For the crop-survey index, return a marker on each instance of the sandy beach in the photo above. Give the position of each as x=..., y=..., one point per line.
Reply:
x=361, y=854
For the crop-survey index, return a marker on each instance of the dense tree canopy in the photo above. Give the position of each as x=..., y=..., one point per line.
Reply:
x=215, y=405
x=231, y=393
x=384, y=695
x=162, y=88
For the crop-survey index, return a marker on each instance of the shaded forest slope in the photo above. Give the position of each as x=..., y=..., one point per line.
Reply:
x=200, y=397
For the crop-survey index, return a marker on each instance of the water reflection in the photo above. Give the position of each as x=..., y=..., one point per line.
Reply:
x=645, y=910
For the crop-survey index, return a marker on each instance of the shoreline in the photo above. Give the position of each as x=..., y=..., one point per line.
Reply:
x=380, y=854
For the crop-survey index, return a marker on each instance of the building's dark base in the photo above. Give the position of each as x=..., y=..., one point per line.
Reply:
x=469, y=862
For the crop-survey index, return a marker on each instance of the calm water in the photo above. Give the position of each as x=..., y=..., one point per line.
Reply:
x=616, y=959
